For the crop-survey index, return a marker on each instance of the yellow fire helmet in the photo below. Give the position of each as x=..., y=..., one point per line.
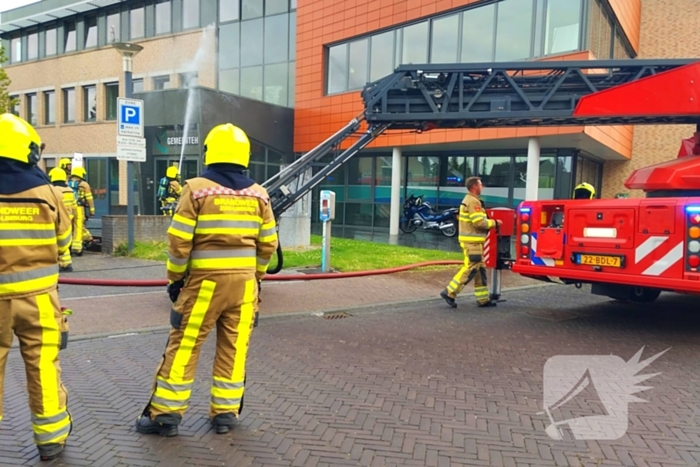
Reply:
x=227, y=144
x=19, y=141
x=584, y=191
x=64, y=163
x=57, y=174
x=78, y=172
x=171, y=172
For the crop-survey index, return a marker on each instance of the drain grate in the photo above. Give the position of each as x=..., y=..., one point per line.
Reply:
x=336, y=315
x=553, y=315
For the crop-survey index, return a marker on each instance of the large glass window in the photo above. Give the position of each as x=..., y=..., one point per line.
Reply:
x=251, y=9
x=276, y=37
x=112, y=93
x=31, y=109
x=230, y=54
x=382, y=55
x=562, y=26
x=564, y=188
x=163, y=17
x=360, y=178
x=444, y=40
x=495, y=175
x=90, y=103
x=113, y=25
x=190, y=14
x=252, y=42
x=337, y=69
x=137, y=85
x=70, y=37
x=546, y=180
x=454, y=171
x=90, y=32
x=136, y=23
x=228, y=10
x=252, y=82
x=422, y=177
x=229, y=81
x=49, y=107
x=33, y=46
x=514, y=30
x=50, y=43
x=16, y=50
x=357, y=70
x=275, y=7
x=478, y=34
x=69, y=105
x=415, y=43
x=276, y=83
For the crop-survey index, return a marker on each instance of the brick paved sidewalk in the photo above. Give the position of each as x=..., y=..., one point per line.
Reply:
x=114, y=310
x=414, y=385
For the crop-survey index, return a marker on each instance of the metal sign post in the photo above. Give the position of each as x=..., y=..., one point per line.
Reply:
x=131, y=147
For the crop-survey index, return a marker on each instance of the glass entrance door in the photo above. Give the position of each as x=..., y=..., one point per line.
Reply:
x=190, y=169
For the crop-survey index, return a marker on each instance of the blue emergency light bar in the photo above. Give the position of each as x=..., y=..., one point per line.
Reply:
x=694, y=209
x=525, y=209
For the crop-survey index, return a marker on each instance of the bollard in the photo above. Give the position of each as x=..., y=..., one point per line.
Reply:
x=326, y=215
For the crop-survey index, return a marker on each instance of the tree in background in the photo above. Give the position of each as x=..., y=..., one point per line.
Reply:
x=7, y=103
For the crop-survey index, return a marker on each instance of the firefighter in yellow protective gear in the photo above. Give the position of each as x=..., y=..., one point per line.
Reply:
x=67, y=165
x=34, y=230
x=474, y=226
x=584, y=191
x=169, y=191
x=58, y=179
x=221, y=239
x=83, y=195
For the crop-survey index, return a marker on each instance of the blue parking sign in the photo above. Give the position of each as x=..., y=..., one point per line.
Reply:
x=130, y=117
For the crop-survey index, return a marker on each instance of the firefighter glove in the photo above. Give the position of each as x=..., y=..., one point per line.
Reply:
x=174, y=289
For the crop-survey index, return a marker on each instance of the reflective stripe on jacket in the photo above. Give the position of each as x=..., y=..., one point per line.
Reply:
x=474, y=224
x=216, y=229
x=35, y=229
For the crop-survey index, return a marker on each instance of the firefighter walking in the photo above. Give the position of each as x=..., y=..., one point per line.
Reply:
x=58, y=179
x=474, y=226
x=34, y=230
x=221, y=239
x=169, y=191
x=83, y=195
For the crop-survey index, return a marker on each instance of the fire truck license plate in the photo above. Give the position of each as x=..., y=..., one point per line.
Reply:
x=600, y=260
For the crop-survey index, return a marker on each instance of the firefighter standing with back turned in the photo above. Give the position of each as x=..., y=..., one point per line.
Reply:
x=34, y=230
x=221, y=239
x=474, y=226
x=83, y=195
x=58, y=179
x=169, y=191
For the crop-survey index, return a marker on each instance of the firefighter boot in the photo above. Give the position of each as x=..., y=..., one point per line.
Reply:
x=223, y=422
x=49, y=452
x=490, y=303
x=450, y=301
x=68, y=268
x=163, y=425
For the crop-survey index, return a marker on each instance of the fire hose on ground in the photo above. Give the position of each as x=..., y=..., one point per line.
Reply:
x=281, y=277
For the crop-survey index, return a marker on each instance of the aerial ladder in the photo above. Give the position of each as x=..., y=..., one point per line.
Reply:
x=519, y=94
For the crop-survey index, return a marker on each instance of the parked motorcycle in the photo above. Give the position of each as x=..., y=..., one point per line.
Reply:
x=417, y=212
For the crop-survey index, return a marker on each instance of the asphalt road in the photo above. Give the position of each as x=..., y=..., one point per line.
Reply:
x=401, y=385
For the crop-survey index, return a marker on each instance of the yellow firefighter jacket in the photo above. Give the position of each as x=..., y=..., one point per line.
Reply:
x=174, y=188
x=68, y=197
x=35, y=229
x=474, y=225
x=85, y=196
x=217, y=230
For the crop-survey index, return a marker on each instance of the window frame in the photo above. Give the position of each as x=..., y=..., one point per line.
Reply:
x=66, y=103
x=107, y=87
x=49, y=117
x=86, y=103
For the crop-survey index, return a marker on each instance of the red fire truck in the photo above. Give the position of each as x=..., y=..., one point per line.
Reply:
x=626, y=248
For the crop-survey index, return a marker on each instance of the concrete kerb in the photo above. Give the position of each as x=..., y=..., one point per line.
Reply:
x=361, y=309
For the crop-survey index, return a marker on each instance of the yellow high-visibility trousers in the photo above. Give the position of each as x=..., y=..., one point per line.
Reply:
x=80, y=232
x=38, y=323
x=227, y=301
x=474, y=268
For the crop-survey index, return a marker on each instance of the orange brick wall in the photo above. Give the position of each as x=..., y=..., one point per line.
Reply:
x=317, y=116
x=669, y=29
x=629, y=13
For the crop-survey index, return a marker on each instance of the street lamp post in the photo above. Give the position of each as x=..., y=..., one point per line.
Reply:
x=128, y=51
